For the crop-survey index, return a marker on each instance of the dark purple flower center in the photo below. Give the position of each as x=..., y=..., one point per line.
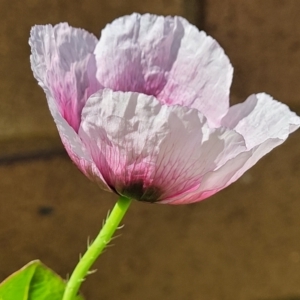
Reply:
x=137, y=190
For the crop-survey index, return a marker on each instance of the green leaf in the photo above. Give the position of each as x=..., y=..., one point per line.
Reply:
x=33, y=282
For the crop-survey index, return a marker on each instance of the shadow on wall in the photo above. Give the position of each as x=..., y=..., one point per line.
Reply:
x=285, y=298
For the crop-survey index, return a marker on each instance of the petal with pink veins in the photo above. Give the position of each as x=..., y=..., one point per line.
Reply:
x=151, y=151
x=265, y=124
x=260, y=118
x=167, y=58
x=62, y=61
x=76, y=148
x=145, y=112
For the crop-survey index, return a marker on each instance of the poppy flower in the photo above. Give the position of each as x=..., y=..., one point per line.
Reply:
x=144, y=111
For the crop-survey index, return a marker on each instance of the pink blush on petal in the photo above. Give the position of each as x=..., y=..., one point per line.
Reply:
x=150, y=151
x=63, y=62
x=190, y=198
x=144, y=111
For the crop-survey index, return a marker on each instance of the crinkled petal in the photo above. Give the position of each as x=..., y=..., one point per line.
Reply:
x=167, y=58
x=76, y=148
x=265, y=124
x=63, y=62
x=261, y=118
x=213, y=181
x=150, y=151
x=161, y=130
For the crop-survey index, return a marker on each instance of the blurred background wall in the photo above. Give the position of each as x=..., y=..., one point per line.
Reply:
x=243, y=243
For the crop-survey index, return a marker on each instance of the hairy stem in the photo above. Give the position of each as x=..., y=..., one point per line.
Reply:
x=96, y=248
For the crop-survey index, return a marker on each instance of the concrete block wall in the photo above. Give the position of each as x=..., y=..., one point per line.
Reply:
x=262, y=40
x=242, y=244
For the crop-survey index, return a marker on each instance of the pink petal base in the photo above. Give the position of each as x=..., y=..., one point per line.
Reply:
x=182, y=143
x=152, y=151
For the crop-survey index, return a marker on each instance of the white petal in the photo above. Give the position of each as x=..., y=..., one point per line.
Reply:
x=62, y=61
x=168, y=58
x=75, y=147
x=264, y=124
x=261, y=118
x=149, y=150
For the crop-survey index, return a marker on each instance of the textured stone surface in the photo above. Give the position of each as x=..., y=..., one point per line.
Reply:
x=241, y=244
x=262, y=40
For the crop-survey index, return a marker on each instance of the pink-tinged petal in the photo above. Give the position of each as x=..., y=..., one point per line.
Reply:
x=261, y=118
x=161, y=130
x=200, y=76
x=167, y=58
x=213, y=181
x=151, y=151
x=265, y=124
x=75, y=147
x=63, y=62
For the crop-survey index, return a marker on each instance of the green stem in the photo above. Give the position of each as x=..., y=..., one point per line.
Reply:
x=95, y=249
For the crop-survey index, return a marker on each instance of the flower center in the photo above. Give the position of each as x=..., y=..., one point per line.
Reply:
x=137, y=190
